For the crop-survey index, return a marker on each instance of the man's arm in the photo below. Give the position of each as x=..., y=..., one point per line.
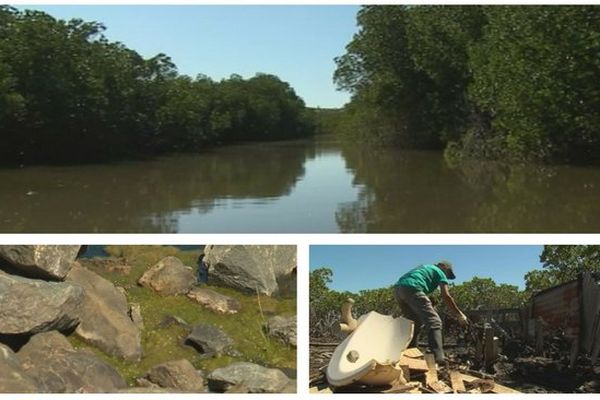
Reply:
x=449, y=300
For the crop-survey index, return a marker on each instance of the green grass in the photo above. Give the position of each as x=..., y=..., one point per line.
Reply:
x=165, y=344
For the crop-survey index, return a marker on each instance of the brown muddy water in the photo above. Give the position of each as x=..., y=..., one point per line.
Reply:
x=308, y=186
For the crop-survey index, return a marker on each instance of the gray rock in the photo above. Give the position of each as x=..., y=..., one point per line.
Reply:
x=169, y=320
x=13, y=378
x=46, y=262
x=180, y=375
x=256, y=378
x=145, y=389
x=50, y=359
x=239, y=388
x=283, y=328
x=209, y=339
x=214, y=301
x=30, y=306
x=169, y=277
x=263, y=269
x=135, y=313
x=105, y=321
x=291, y=387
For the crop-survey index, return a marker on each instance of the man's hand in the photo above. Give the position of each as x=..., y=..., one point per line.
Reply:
x=462, y=318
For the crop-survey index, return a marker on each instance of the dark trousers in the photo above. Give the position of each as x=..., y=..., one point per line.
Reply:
x=416, y=306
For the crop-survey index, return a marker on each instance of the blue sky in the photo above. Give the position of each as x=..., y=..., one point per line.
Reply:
x=369, y=267
x=296, y=43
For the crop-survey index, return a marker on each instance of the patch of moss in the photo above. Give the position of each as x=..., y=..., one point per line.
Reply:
x=161, y=344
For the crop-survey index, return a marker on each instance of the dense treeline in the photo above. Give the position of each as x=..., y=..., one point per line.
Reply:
x=497, y=82
x=67, y=94
x=561, y=263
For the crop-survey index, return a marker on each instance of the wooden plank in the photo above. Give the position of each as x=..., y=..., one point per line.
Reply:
x=485, y=385
x=431, y=375
x=320, y=389
x=497, y=388
x=574, y=352
x=413, y=352
x=410, y=387
x=440, y=387
x=458, y=386
x=489, y=355
x=405, y=372
x=539, y=336
x=500, y=389
x=413, y=363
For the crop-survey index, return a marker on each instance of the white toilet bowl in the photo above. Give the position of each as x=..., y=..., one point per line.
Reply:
x=370, y=354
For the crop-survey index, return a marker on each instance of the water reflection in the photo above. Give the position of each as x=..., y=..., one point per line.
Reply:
x=300, y=186
x=146, y=196
x=416, y=191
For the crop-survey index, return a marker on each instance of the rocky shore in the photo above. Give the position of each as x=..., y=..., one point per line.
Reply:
x=138, y=321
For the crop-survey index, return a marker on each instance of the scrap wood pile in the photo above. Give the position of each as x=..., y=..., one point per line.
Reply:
x=419, y=375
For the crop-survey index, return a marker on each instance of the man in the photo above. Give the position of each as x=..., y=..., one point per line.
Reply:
x=411, y=292
x=202, y=270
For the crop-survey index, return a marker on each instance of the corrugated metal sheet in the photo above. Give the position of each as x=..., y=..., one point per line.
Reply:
x=559, y=307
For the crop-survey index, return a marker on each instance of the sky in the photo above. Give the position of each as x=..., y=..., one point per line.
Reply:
x=295, y=42
x=370, y=267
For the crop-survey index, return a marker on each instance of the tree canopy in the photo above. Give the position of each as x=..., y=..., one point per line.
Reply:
x=67, y=94
x=502, y=82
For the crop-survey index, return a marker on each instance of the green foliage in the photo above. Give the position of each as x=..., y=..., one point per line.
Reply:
x=324, y=303
x=381, y=300
x=539, y=279
x=485, y=293
x=534, y=72
x=493, y=82
x=67, y=94
x=567, y=262
x=326, y=120
x=407, y=71
x=561, y=264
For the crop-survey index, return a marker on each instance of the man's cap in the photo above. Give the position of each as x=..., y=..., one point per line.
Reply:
x=449, y=271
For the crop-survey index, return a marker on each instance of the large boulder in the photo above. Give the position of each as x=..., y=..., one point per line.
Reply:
x=29, y=306
x=143, y=390
x=255, y=378
x=210, y=340
x=169, y=277
x=180, y=375
x=264, y=269
x=13, y=378
x=45, y=262
x=50, y=359
x=283, y=328
x=104, y=318
x=214, y=301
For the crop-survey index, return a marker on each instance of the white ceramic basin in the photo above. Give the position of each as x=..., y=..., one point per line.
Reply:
x=370, y=354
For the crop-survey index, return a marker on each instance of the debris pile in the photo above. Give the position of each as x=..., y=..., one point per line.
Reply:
x=419, y=375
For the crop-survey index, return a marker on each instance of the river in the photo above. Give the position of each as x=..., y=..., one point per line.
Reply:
x=303, y=186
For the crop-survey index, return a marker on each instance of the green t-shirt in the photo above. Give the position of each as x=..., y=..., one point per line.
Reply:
x=425, y=278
